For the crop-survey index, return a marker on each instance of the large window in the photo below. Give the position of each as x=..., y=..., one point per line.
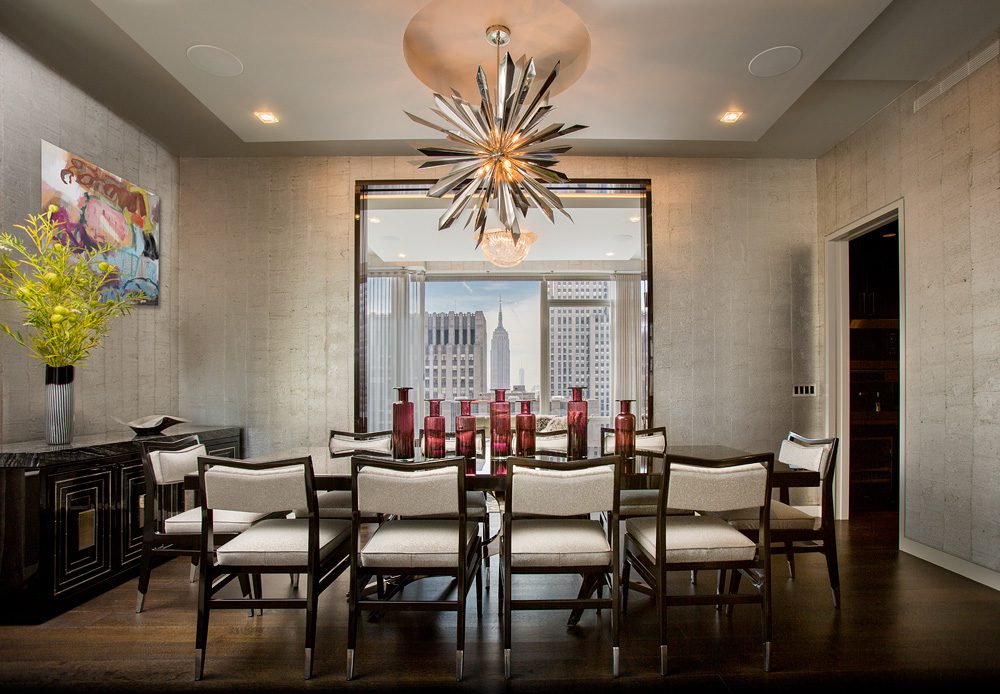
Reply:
x=436, y=315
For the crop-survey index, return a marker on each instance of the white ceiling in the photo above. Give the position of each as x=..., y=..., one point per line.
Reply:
x=658, y=75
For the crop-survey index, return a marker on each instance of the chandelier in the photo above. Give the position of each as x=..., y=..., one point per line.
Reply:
x=503, y=250
x=500, y=152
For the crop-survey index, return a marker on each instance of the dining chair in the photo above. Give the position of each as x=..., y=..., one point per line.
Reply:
x=476, y=504
x=650, y=442
x=426, y=534
x=552, y=442
x=169, y=530
x=550, y=528
x=655, y=546
x=317, y=547
x=801, y=529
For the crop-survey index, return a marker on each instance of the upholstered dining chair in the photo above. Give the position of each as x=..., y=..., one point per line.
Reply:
x=651, y=442
x=169, y=530
x=550, y=528
x=426, y=533
x=657, y=545
x=801, y=529
x=552, y=442
x=317, y=547
x=476, y=504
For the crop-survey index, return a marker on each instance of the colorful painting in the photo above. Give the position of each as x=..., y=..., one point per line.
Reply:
x=99, y=208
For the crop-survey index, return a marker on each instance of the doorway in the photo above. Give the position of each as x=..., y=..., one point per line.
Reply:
x=874, y=358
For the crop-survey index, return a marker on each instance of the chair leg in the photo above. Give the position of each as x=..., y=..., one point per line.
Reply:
x=246, y=589
x=257, y=592
x=626, y=574
x=790, y=559
x=145, y=567
x=193, y=576
x=616, y=591
x=352, y=624
x=312, y=598
x=734, y=588
x=661, y=613
x=830, y=550
x=720, y=588
x=486, y=547
x=201, y=633
x=479, y=590
x=505, y=592
x=694, y=576
x=462, y=597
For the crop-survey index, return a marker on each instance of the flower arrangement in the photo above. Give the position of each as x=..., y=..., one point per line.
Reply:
x=62, y=292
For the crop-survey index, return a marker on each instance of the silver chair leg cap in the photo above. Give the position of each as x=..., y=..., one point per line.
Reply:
x=459, y=664
x=140, y=600
x=615, y=661
x=506, y=663
x=309, y=664
x=663, y=661
x=767, y=656
x=295, y=581
x=199, y=663
x=193, y=575
x=350, y=663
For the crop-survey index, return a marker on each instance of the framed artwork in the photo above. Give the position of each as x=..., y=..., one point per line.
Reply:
x=97, y=207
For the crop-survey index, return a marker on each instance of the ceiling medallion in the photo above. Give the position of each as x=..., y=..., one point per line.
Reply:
x=500, y=151
x=501, y=249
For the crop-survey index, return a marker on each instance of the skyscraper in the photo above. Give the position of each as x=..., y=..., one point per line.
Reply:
x=500, y=355
x=580, y=343
x=455, y=356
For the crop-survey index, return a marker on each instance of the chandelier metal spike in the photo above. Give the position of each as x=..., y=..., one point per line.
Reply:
x=499, y=152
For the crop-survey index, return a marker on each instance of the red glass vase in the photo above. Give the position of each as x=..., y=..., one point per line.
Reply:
x=434, y=430
x=576, y=424
x=625, y=431
x=525, y=425
x=500, y=424
x=465, y=431
x=402, y=424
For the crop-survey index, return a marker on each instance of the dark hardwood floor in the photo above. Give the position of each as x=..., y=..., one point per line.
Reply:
x=904, y=623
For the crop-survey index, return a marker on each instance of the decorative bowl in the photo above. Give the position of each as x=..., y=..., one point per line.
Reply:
x=153, y=424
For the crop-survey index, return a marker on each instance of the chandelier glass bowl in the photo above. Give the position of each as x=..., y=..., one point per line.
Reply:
x=501, y=249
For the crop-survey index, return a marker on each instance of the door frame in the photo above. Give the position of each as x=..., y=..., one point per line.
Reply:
x=838, y=303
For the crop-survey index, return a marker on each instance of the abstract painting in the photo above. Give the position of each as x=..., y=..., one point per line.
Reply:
x=98, y=208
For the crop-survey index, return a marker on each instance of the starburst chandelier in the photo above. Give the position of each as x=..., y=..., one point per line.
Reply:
x=501, y=152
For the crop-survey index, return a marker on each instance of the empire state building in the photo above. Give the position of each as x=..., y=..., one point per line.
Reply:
x=500, y=355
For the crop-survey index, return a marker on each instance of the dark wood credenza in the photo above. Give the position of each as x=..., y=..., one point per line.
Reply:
x=72, y=516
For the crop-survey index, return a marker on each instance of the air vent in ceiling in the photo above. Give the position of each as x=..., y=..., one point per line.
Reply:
x=988, y=54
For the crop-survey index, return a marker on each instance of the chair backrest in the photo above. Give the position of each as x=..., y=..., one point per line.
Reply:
x=431, y=488
x=257, y=487
x=743, y=483
x=449, y=442
x=346, y=443
x=167, y=462
x=818, y=455
x=545, y=488
x=652, y=441
x=556, y=442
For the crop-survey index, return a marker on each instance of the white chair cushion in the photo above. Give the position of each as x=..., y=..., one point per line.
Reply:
x=559, y=542
x=562, y=492
x=815, y=458
x=650, y=443
x=692, y=539
x=416, y=543
x=783, y=517
x=341, y=445
x=408, y=493
x=475, y=507
x=281, y=542
x=642, y=502
x=169, y=467
x=334, y=504
x=558, y=444
x=222, y=521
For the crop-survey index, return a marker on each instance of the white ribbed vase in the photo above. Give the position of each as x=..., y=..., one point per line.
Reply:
x=58, y=404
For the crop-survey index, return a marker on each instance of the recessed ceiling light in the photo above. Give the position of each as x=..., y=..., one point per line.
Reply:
x=374, y=220
x=774, y=61
x=266, y=117
x=609, y=253
x=214, y=60
x=731, y=116
x=634, y=218
x=889, y=235
x=402, y=255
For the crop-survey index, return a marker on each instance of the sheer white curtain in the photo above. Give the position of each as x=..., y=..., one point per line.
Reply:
x=394, y=312
x=628, y=367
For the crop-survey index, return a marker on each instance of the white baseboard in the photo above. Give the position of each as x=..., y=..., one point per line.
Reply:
x=979, y=574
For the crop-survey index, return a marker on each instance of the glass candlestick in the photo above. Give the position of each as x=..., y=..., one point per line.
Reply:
x=500, y=424
x=525, y=426
x=465, y=431
x=576, y=424
x=434, y=430
x=625, y=431
x=402, y=425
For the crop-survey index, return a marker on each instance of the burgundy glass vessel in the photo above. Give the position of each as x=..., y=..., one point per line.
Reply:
x=465, y=431
x=402, y=424
x=625, y=431
x=500, y=424
x=576, y=423
x=434, y=430
x=525, y=425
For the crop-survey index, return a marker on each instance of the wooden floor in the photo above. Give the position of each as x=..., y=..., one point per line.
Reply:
x=903, y=623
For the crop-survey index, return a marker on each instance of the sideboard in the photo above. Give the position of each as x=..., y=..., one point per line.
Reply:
x=72, y=516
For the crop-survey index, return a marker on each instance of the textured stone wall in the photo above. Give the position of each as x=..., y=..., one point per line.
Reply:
x=944, y=163
x=135, y=372
x=267, y=318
